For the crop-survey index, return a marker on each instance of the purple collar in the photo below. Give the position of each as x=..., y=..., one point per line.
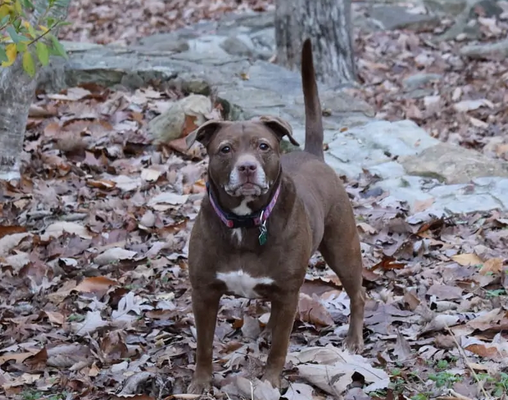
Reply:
x=257, y=219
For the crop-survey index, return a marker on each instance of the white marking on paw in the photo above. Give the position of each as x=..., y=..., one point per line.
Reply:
x=242, y=209
x=237, y=234
x=242, y=284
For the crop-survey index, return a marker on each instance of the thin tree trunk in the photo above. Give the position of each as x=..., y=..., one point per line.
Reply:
x=17, y=92
x=328, y=24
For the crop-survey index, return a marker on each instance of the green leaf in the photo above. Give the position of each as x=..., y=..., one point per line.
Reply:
x=3, y=55
x=28, y=4
x=32, y=31
x=18, y=8
x=21, y=47
x=28, y=63
x=42, y=52
x=14, y=35
x=57, y=46
x=4, y=20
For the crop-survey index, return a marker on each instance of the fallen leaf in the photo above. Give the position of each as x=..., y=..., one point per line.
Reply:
x=311, y=310
x=98, y=285
x=467, y=259
x=92, y=322
x=58, y=228
x=113, y=255
x=493, y=265
x=335, y=368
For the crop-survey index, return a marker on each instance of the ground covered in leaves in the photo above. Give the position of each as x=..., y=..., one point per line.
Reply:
x=94, y=298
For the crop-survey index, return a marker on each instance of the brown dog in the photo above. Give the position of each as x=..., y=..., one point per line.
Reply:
x=263, y=218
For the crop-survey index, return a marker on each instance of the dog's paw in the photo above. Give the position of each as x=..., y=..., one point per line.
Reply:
x=273, y=379
x=198, y=386
x=354, y=343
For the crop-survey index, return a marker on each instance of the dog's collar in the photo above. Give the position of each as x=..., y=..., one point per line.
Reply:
x=256, y=219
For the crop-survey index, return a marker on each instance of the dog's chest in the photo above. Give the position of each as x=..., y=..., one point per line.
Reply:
x=242, y=284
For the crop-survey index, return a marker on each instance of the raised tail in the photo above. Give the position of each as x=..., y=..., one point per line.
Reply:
x=313, y=118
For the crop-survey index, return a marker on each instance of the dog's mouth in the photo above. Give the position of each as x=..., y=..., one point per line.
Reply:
x=247, y=189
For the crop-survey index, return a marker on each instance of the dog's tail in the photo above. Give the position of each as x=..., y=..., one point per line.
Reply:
x=313, y=119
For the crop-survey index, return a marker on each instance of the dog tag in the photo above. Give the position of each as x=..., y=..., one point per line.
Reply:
x=263, y=233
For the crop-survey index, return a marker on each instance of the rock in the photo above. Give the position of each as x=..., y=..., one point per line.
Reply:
x=235, y=46
x=485, y=8
x=376, y=143
x=163, y=42
x=448, y=7
x=415, y=81
x=395, y=17
x=486, y=51
x=452, y=164
x=495, y=186
x=170, y=125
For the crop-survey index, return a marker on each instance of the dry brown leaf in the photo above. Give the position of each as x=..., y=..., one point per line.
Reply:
x=311, y=310
x=467, y=259
x=99, y=285
x=493, y=265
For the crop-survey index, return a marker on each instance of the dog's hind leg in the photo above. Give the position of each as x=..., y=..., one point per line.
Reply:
x=342, y=253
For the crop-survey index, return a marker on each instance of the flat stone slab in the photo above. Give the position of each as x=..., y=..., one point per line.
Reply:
x=452, y=164
x=392, y=17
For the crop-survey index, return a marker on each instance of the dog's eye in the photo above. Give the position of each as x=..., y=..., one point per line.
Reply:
x=225, y=149
x=263, y=146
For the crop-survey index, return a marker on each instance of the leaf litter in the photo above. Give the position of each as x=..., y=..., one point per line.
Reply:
x=94, y=294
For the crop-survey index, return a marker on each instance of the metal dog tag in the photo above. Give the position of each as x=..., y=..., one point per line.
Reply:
x=263, y=233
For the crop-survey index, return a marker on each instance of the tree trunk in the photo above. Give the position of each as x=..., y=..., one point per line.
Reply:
x=17, y=91
x=328, y=24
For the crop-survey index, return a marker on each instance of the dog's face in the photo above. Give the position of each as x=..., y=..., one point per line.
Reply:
x=244, y=156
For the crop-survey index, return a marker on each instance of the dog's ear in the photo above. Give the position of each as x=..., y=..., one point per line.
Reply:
x=204, y=133
x=279, y=127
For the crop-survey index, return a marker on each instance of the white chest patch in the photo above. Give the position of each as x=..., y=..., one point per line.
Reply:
x=242, y=284
x=237, y=234
x=242, y=209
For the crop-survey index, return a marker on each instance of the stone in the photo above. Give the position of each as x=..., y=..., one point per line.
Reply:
x=497, y=187
x=163, y=42
x=415, y=81
x=376, y=143
x=391, y=17
x=235, y=46
x=406, y=189
x=486, y=51
x=448, y=7
x=452, y=164
x=170, y=125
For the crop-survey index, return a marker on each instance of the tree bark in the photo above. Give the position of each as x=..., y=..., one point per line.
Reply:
x=17, y=91
x=328, y=24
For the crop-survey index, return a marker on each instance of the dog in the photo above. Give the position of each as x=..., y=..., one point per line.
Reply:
x=264, y=216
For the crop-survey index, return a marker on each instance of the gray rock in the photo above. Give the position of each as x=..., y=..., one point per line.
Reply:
x=162, y=42
x=495, y=186
x=394, y=17
x=235, y=46
x=415, y=81
x=448, y=7
x=486, y=51
x=452, y=164
x=406, y=189
x=376, y=143
x=462, y=204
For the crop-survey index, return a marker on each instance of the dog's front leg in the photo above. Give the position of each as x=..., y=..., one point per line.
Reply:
x=205, y=305
x=284, y=308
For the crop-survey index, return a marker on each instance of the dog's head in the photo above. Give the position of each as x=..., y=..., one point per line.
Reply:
x=244, y=156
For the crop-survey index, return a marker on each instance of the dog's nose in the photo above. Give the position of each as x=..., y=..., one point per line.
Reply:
x=247, y=167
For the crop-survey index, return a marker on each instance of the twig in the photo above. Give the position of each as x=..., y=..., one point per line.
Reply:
x=466, y=359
